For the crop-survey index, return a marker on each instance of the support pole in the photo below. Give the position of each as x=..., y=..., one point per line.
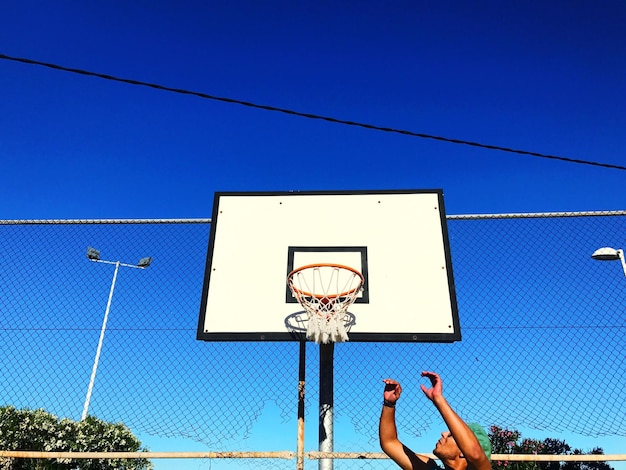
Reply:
x=99, y=349
x=327, y=352
x=620, y=253
x=301, y=382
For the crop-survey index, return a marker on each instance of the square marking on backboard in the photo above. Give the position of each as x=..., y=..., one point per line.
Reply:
x=354, y=256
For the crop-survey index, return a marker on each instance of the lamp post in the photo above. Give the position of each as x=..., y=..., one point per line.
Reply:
x=610, y=254
x=94, y=255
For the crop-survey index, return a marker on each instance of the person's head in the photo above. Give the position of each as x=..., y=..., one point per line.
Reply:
x=446, y=448
x=448, y=451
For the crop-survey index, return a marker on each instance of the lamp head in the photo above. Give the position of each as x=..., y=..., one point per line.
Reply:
x=93, y=254
x=145, y=262
x=606, y=254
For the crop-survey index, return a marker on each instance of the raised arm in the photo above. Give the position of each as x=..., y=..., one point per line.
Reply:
x=388, y=434
x=463, y=435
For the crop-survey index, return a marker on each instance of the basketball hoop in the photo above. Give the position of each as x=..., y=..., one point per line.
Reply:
x=326, y=291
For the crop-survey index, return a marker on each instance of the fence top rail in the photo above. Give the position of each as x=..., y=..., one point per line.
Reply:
x=101, y=221
x=520, y=215
x=536, y=215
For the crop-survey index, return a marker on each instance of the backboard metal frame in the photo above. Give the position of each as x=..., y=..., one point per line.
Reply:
x=226, y=319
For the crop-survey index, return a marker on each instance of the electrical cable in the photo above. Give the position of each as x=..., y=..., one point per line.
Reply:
x=313, y=116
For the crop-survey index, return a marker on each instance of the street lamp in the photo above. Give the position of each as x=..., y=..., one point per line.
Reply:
x=94, y=255
x=610, y=254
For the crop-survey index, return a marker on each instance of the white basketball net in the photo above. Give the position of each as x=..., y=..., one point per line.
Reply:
x=326, y=291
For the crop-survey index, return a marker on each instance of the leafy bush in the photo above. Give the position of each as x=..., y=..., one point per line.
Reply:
x=506, y=441
x=38, y=430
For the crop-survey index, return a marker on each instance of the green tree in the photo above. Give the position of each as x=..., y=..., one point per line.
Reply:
x=506, y=441
x=38, y=430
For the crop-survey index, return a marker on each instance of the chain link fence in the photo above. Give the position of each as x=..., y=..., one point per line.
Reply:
x=542, y=323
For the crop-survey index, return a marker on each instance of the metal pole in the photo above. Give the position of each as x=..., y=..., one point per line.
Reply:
x=102, y=330
x=301, y=378
x=620, y=253
x=327, y=352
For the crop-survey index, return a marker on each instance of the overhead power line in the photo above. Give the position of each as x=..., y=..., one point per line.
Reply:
x=313, y=116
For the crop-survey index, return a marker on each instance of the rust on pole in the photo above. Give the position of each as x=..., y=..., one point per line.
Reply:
x=301, y=382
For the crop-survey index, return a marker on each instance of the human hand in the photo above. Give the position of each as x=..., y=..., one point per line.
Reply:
x=392, y=390
x=436, y=389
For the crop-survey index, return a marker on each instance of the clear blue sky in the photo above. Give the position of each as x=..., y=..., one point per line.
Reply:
x=546, y=77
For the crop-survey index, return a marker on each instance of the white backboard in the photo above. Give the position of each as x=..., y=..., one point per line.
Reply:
x=397, y=239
